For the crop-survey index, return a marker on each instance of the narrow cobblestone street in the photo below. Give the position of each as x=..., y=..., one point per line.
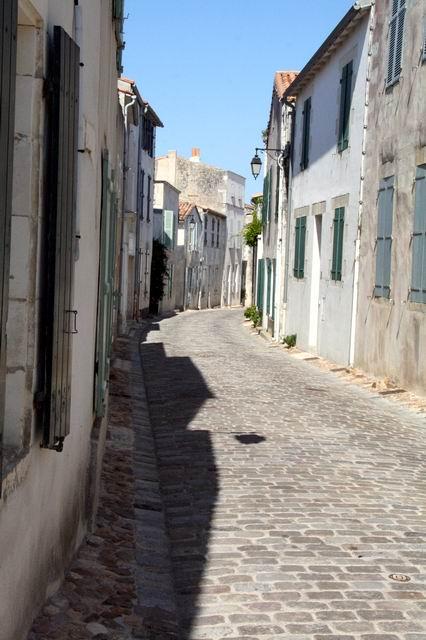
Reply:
x=288, y=500
x=290, y=497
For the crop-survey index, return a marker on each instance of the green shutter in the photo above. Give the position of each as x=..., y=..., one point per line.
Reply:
x=268, y=286
x=265, y=199
x=260, y=283
x=418, y=280
x=269, y=194
x=299, y=249
x=306, y=132
x=106, y=285
x=338, y=227
x=277, y=191
x=384, y=238
x=274, y=277
x=168, y=229
x=345, y=106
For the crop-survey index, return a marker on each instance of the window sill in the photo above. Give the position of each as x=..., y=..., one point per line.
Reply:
x=420, y=307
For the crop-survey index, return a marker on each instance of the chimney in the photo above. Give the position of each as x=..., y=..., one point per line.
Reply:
x=195, y=155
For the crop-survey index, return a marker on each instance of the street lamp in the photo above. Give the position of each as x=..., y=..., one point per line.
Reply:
x=256, y=163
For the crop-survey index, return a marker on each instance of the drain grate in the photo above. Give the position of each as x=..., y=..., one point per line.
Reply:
x=399, y=577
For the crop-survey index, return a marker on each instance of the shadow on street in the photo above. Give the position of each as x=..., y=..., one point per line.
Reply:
x=176, y=391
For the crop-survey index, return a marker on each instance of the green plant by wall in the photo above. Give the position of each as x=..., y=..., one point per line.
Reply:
x=158, y=274
x=252, y=313
x=252, y=230
x=290, y=340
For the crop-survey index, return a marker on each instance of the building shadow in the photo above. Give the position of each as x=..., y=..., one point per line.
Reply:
x=176, y=391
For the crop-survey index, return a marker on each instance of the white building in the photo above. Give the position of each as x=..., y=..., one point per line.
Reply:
x=141, y=122
x=65, y=128
x=166, y=214
x=221, y=191
x=325, y=189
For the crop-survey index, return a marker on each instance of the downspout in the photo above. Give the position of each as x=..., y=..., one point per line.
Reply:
x=361, y=193
x=123, y=204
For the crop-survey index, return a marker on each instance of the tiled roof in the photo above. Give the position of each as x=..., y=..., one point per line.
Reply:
x=185, y=209
x=283, y=80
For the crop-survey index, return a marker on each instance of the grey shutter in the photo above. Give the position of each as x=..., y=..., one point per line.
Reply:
x=62, y=175
x=384, y=238
x=396, y=41
x=8, y=32
x=306, y=132
x=418, y=280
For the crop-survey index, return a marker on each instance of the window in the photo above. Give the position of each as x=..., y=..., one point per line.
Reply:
x=168, y=229
x=265, y=199
x=277, y=191
x=205, y=230
x=396, y=38
x=338, y=226
x=306, y=130
x=217, y=233
x=345, y=105
x=142, y=193
x=384, y=238
x=260, y=283
x=213, y=221
x=148, y=136
x=418, y=280
x=148, y=201
x=299, y=250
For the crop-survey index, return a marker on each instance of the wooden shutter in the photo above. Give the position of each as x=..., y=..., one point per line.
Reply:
x=265, y=199
x=60, y=318
x=418, y=280
x=260, y=283
x=106, y=286
x=299, y=250
x=277, y=191
x=345, y=105
x=384, y=238
x=306, y=132
x=268, y=287
x=338, y=227
x=168, y=229
x=396, y=41
x=8, y=34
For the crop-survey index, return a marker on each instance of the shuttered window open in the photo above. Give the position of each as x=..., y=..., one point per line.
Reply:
x=306, y=133
x=265, y=199
x=8, y=32
x=268, y=286
x=106, y=287
x=59, y=316
x=396, y=41
x=260, y=283
x=299, y=248
x=384, y=238
x=345, y=105
x=338, y=227
x=168, y=230
x=418, y=280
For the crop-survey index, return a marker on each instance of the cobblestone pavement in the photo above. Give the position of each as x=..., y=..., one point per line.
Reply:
x=290, y=497
x=119, y=585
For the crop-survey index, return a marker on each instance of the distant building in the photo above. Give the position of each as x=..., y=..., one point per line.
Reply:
x=141, y=122
x=221, y=191
x=166, y=213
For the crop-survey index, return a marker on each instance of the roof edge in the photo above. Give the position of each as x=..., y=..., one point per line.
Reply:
x=351, y=18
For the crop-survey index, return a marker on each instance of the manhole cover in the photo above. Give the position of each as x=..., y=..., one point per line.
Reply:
x=399, y=577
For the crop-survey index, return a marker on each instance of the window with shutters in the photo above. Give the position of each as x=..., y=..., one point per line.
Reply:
x=148, y=201
x=277, y=191
x=266, y=199
x=338, y=228
x=268, y=286
x=142, y=194
x=8, y=37
x=59, y=315
x=260, y=282
x=168, y=229
x=217, y=233
x=213, y=231
x=384, y=238
x=396, y=41
x=299, y=248
x=306, y=133
x=148, y=136
x=205, y=230
x=345, y=105
x=418, y=278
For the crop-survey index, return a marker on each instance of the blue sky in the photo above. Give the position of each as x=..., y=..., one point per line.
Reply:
x=207, y=67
